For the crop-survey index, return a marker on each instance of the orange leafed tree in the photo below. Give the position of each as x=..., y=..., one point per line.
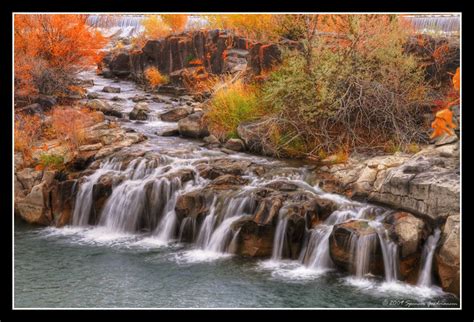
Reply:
x=50, y=48
x=177, y=22
x=443, y=122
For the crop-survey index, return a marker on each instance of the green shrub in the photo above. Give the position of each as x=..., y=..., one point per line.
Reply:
x=230, y=106
x=360, y=93
x=52, y=161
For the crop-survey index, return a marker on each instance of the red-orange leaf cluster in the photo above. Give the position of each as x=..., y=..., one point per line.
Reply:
x=443, y=122
x=52, y=46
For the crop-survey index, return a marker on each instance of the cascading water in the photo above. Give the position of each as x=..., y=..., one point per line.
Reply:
x=280, y=235
x=362, y=248
x=83, y=203
x=316, y=254
x=220, y=238
x=429, y=248
x=389, y=253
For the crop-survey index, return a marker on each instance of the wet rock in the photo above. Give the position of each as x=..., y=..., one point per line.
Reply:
x=193, y=126
x=140, y=112
x=267, y=211
x=409, y=233
x=175, y=115
x=138, y=98
x=235, y=145
x=111, y=89
x=101, y=191
x=342, y=251
x=317, y=210
x=118, y=99
x=193, y=204
x=252, y=240
x=218, y=167
x=93, y=95
x=447, y=257
x=62, y=197
x=226, y=181
x=172, y=132
x=104, y=107
x=282, y=185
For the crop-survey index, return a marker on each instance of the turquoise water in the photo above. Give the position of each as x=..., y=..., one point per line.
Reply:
x=77, y=268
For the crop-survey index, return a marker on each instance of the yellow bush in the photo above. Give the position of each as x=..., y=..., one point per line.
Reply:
x=230, y=106
x=155, y=27
x=154, y=78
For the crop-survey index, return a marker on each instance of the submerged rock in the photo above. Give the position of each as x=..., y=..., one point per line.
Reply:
x=175, y=115
x=111, y=89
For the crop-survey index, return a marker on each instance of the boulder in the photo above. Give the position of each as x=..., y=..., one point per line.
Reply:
x=28, y=178
x=138, y=98
x=235, y=145
x=211, y=139
x=256, y=138
x=193, y=204
x=447, y=257
x=120, y=65
x=409, y=233
x=172, y=132
x=93, y=95
x=104, y=107
x=175, y=115
x=252, y=240
x=62, y=202
x=111, y=89
x=34, y=208
x=343, y=244
x=193, y=126
x=140, y=112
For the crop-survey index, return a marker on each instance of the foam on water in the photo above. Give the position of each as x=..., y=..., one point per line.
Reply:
x=199, y=256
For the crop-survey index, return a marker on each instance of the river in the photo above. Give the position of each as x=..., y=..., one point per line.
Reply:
x=111, y=264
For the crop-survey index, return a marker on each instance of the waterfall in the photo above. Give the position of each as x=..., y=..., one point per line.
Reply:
x=316, y=255
x=280, y=235
x=389, y=253
x=207, y=226
x=219, y=240
x=362, y=248
x=429, y=248
x=83, y=203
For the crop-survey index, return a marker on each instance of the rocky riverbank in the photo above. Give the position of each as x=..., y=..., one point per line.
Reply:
x=152, y=167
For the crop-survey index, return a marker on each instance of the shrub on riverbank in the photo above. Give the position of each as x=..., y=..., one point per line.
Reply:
x=50, y=50
x=358, y=91
x=231, y=105
x=154, y=78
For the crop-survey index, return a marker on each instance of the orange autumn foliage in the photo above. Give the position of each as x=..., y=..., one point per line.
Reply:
x=27, y=130
x=50, y=48
x=177, y=22
x=443, y=122
x=154, y=78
